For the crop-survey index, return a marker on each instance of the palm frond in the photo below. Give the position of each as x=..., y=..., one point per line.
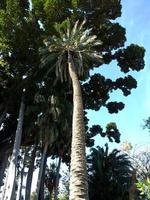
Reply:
x=81, y=26
x=74, y=30
x=79, y=41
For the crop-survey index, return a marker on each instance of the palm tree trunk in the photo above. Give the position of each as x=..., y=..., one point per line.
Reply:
x=11, y=182
x=41, y=170
x=57, y=179
x=30, y=174
x=78, y=171
x=132, y=190
x=41, y=194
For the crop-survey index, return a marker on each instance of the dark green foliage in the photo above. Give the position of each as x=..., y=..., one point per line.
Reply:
x=114, y=107
x=96, y=92
x=130, y=58
x=109, y=174
x=20, y=37
x=126, y=84
x=111, y=132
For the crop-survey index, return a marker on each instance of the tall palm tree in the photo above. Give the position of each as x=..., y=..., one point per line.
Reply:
x=72, y=50
x=48, y=125
x=50, y=178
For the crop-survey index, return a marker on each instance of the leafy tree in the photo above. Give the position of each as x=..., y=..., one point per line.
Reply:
x=15, y=23
x=63, y=197
x=144, y=187
x=142, y=164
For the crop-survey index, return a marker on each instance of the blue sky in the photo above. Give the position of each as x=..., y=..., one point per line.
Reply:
x=135, y=18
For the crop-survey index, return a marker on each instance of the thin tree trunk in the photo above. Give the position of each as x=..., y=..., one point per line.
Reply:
x=41, y=170
x=30, y=174
x=11, y=182
x=41, y=195
x=22, y=175
x=132, y=190
x=21, y=182
x=57, y=179
x=78, y=171
x=3, y=116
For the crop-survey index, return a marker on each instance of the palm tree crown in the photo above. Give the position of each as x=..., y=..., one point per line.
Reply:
x=78, y=41
x=109, y=174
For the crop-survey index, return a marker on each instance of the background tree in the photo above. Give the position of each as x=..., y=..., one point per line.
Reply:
x=19, y=59
x=140, y=158
x=109, y=174
x=141, y=162
x=12, y=171
x=144, y=187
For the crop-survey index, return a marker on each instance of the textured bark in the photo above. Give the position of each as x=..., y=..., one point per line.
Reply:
x=57, y=180
x=41, y=195
x=30, y=174
x=41, y=170
x=132, y=190
x=78, y=171
x=11, y=181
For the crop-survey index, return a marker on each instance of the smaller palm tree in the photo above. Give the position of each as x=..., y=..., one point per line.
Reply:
x=109, y=174
x=50, y=178
x=47, y=123
x=72, y=52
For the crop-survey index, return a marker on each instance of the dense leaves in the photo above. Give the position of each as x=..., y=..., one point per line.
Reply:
x=109, y=174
